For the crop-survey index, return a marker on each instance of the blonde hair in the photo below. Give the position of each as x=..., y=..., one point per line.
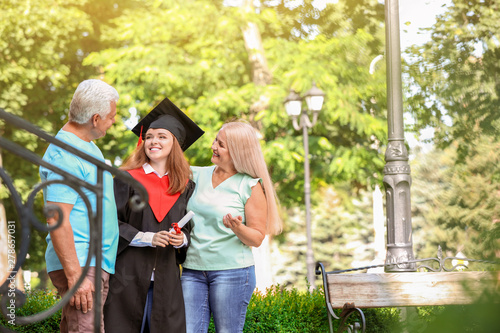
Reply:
x=244, y=149
x=177, y=165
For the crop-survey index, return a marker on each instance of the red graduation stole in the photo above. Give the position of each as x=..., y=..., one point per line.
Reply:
x=160, y=200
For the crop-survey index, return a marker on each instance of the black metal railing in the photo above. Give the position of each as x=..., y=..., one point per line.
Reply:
x=13, y=298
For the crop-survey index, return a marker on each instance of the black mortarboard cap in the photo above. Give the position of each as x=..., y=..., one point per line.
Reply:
x=168, y=116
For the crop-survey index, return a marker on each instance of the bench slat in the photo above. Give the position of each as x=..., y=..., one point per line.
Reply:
x=369, y=290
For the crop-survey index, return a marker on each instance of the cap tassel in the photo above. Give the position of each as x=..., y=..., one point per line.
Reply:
x=140, y=139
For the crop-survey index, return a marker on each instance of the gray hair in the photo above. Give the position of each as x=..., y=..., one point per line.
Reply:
x=91, y=97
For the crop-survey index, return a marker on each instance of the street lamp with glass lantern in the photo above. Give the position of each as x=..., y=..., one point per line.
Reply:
x=314, y=98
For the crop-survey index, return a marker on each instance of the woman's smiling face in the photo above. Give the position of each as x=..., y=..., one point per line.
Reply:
x=220, y=154
x=158, y=144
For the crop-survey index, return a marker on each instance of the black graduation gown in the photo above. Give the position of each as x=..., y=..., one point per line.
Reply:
x=124, y=307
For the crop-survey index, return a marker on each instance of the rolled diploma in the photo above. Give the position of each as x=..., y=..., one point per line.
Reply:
x=184, y=220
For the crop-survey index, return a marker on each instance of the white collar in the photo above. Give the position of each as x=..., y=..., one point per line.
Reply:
x=149, y=169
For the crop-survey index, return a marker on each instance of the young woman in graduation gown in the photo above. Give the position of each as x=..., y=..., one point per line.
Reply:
x=145, y=292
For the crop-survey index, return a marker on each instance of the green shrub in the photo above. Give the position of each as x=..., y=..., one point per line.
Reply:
x=382, y=320
x=289, y=310
x=477, y=318
x=480, y=317
x=36, y=302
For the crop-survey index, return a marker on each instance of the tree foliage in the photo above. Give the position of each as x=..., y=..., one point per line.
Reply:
x=42, y=46
x=204, y=68
x=193, y=52
x=458, y=205
x=454, y=76
x=342, y=233
x=454, y=89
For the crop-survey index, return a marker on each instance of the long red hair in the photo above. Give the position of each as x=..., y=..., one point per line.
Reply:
x=176, y=163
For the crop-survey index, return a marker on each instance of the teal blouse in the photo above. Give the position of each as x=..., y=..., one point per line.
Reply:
x=213, y=246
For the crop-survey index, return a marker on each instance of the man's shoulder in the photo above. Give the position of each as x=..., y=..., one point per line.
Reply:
x=55, y=151
x=58, y=156
x=61, y=158
x=74, y=141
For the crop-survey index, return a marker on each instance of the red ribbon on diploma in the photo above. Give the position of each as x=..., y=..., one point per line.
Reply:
x=182, y=222
x=176, y=228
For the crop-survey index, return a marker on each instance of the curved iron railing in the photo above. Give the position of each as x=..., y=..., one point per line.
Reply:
x=13, y=298
x=347, y=311
x=351, y=309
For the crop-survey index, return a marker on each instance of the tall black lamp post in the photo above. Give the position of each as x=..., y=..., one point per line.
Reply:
x=314, y=98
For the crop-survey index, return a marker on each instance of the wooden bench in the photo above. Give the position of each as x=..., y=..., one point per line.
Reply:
x=353, y=292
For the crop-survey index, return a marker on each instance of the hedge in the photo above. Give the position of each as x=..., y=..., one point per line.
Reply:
x=287, y=310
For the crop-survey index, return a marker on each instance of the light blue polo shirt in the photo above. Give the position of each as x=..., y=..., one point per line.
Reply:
x=79, y=216
x=214, y=246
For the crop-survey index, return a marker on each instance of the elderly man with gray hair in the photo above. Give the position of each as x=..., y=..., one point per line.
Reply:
x=92, y=112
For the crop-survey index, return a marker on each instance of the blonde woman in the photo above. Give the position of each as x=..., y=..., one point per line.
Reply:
x=235, y=206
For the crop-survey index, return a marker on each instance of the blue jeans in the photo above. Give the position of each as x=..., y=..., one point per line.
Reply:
x=224, y=294
x=146, y=318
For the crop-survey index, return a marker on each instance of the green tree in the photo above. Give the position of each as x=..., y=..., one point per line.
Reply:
x=431, y=175
x=195, y=53
x=454, y=88
x=456, y=205
x=342, y=230
x=207, y=68
x=455, y=75
x=42, y=46
x=204, y=67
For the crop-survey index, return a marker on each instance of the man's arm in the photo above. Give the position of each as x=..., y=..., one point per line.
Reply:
x=64, y=245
